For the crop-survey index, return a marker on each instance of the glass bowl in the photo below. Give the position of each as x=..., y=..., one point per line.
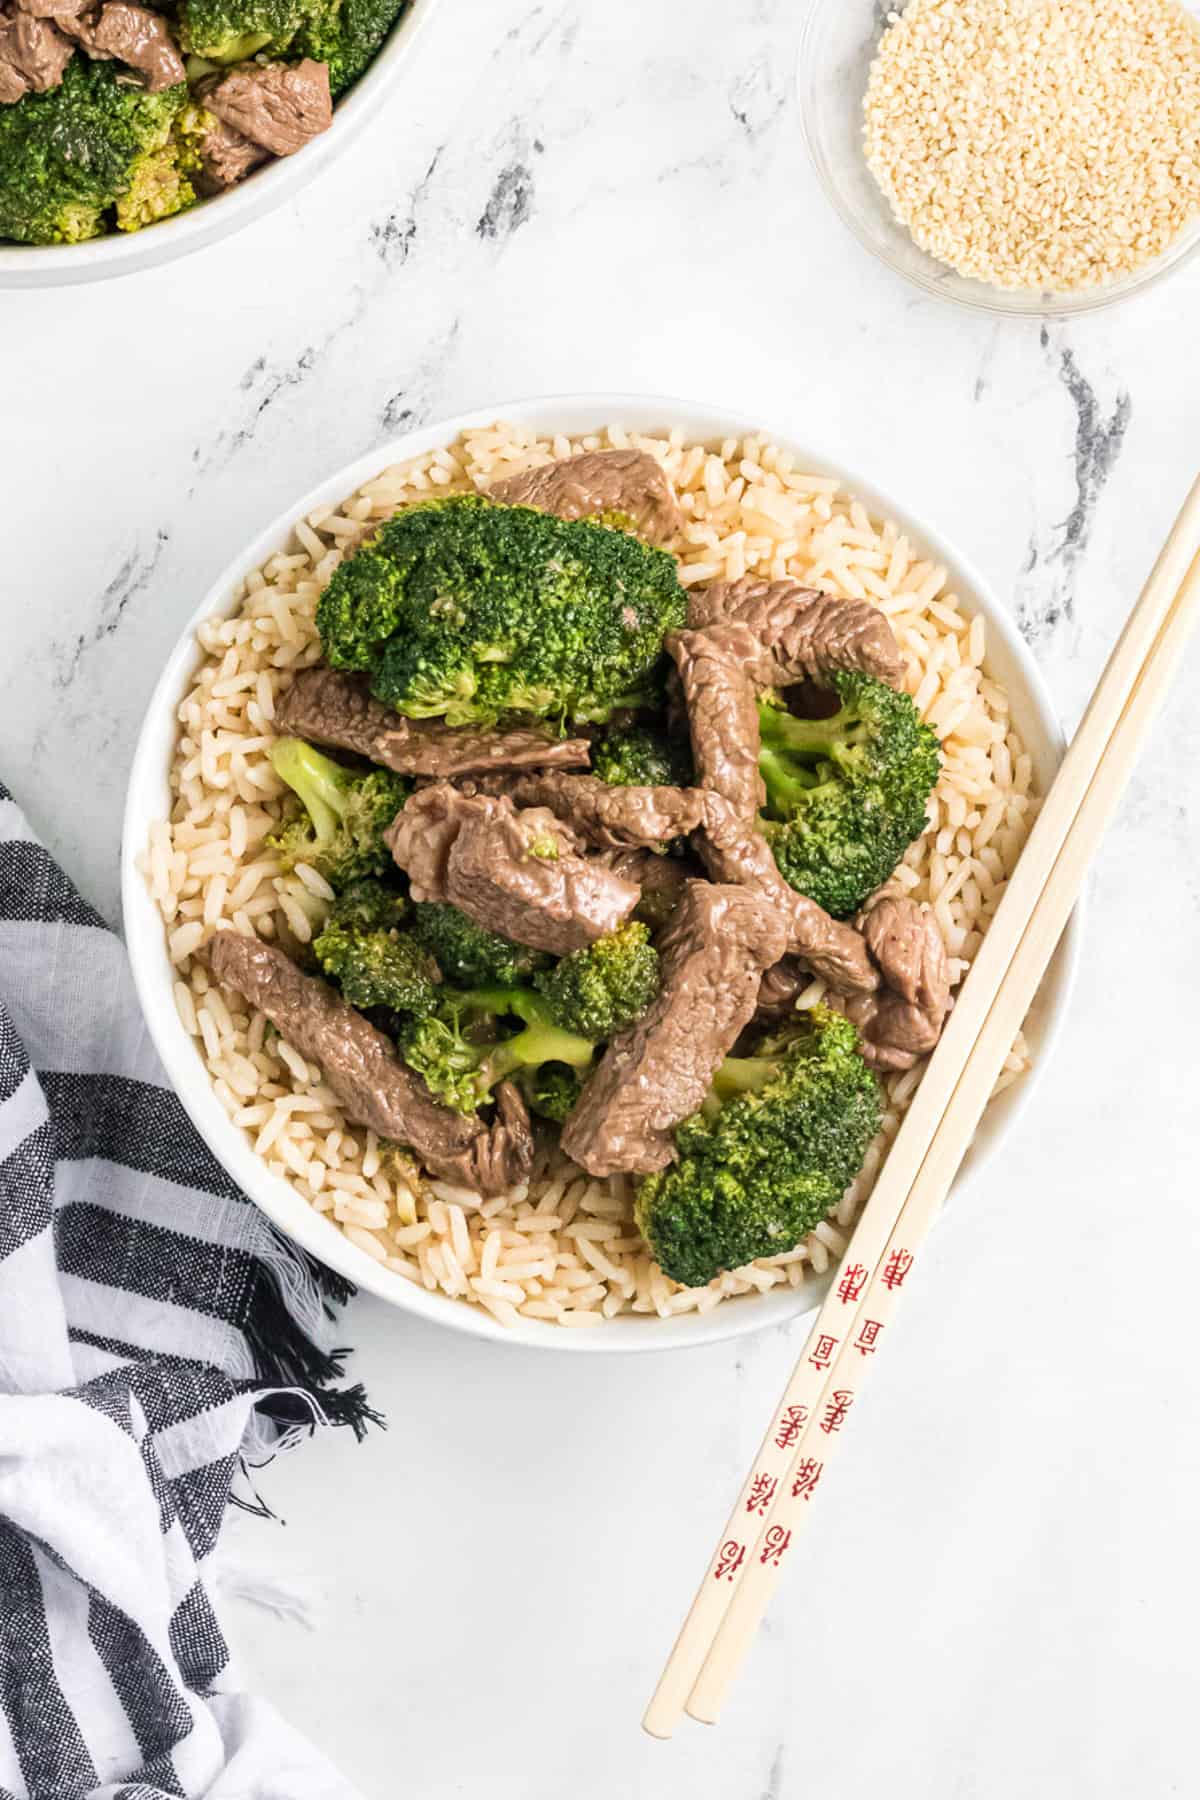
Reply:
x=837, y=48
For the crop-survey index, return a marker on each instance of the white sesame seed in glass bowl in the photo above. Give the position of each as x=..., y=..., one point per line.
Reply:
x=839, y=44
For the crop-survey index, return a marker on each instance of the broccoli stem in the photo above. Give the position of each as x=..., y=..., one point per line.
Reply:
x=320, y=782
x=744, y=1075
x=786, y=783
x=536, y=1044
x=803, y=737
x=542, y=1040
x=812, y=740
x=797, y=756
x=738, y=1075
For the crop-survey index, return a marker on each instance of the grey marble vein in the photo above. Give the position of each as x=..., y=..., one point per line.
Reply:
x=545, y=31
x=1058, y=551
x=510, y=203
x=412, y=404
x=983, y=377
x=758, y=95
x=394, y=236
x=1098, y=443
x=262, y=384
x=133, y=576
x=774, y=1787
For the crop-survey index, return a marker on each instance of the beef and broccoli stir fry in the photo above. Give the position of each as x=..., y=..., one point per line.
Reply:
x=590, y=836
x=114, y=115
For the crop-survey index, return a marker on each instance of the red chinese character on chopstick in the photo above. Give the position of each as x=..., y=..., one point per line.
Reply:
x=808, y=1473
x=732, y=1556
x=840, y=1402
x=869, y=1331
x=792, y=1422
x=852, y=1283
x=823, y=1351
x=896, y=1268
x=774, y=1544
x=762, y=1492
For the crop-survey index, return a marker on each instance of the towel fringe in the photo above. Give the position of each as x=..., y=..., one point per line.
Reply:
x=287, y=1331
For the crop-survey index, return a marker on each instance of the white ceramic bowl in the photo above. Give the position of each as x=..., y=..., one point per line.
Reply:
x=149, y=800
x=62, y=265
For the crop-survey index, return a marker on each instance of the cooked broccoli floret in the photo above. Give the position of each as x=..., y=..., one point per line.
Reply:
x=468, y=954
x=447, y=1062
x=459, y=1046
x=638, y=756
x=378, y=968
x=609, y=984
x=371, y=906
x=460, y=1058
x=159, y=187
x=768, y=1155
x=340, y=831
x=95, y=142
x=346, y=35
x=465, y=609
x=373, y=960
x=846, y=795
x=551, y=1091
x=229, y=31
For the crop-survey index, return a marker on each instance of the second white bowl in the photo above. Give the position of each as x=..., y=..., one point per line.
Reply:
x=121, y=252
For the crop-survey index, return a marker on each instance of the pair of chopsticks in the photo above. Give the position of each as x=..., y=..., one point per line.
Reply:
x=852, y=1324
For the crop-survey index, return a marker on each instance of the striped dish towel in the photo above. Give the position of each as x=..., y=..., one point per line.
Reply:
x=157, y=1340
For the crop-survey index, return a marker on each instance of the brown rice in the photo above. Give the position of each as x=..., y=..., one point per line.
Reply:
x=564, y=1249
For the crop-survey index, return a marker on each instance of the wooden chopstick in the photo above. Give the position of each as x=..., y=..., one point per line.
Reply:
x=946, y=1151
x=941, y=1164
x=862, y=1272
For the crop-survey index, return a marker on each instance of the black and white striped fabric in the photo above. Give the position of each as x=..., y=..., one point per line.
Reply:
x=156, y=1339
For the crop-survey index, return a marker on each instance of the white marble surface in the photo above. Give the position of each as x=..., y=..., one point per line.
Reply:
x=997, y=1595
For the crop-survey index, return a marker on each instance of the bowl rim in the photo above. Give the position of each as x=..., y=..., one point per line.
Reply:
x=146, y=797
x=121, y=253
x=998, y=302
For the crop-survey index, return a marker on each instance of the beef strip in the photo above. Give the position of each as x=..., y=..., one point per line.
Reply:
x=723, y=717
x=722, y=713
x=558, y=903
x=279, y=106
x=658, y=1071
x=327, y=707
x=133, y=35
x=903, y=1021
x=661, y=880
x=422, y=835
x=781, y=987
x=13, y=85
x=515, y=871
x=613, y=818
x=52, y=9
x=226, y=157
x=33, y=55
x=799, y=631
x=835, y=952
x=600, y=481
x=370, y=1081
